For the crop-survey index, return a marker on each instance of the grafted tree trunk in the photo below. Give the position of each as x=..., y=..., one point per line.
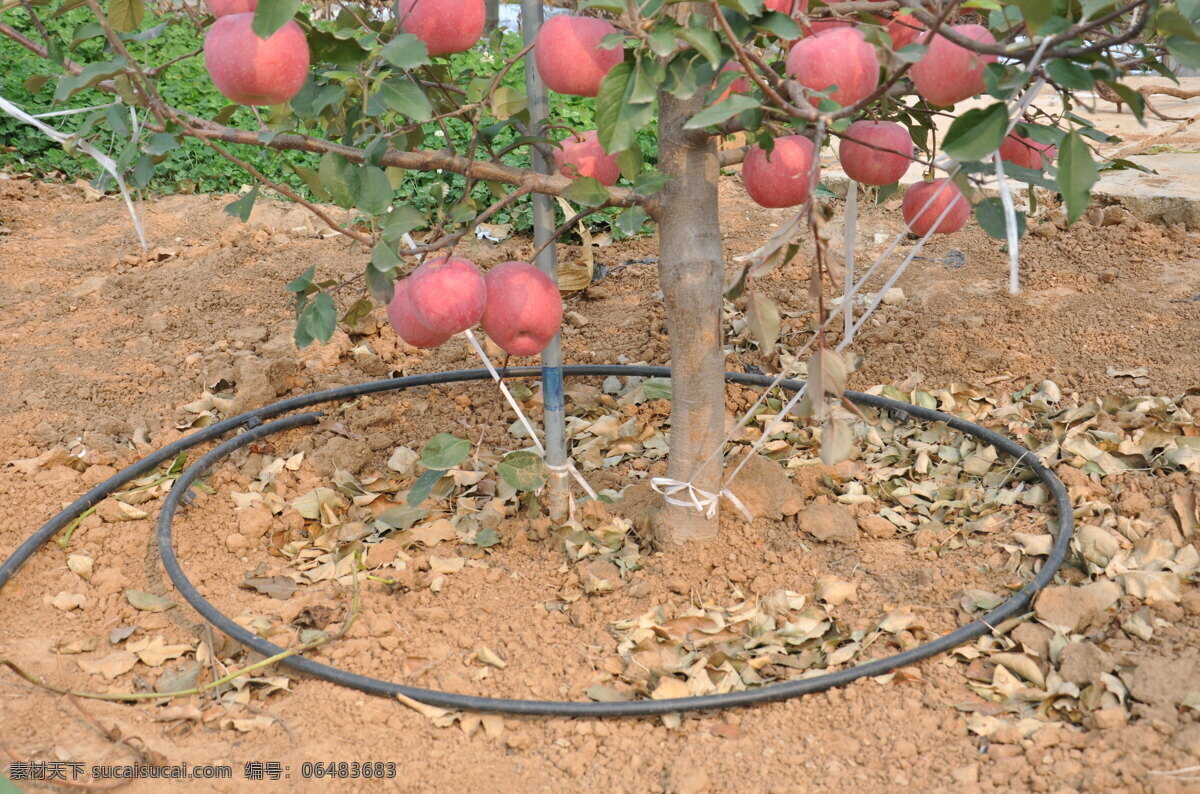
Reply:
x=691, y=271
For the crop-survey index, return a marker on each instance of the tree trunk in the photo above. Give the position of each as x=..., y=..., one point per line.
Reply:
x=492, y=15
x=692, y=274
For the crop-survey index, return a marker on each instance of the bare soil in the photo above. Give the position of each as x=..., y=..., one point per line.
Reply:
x=101, y=348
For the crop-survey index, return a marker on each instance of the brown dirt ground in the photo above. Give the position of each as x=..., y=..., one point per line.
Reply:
x=99, y=348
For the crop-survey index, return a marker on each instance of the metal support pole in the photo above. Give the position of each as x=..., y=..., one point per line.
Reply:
x=543, y=227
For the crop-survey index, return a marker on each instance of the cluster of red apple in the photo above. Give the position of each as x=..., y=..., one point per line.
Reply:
x=832, y=52
x=518, y=305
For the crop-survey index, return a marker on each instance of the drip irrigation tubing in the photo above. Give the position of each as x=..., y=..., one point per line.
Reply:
x=256, y=428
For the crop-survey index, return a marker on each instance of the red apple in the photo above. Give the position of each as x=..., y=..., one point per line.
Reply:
x=841, y=57
x=222, y=8
x=446, y=26
x=866, y=152
x=739, y=86
x=949, y=73
x=253, y=71
x=782, y=178
x=569, y=56
x=789, y=7
x=524, y=309
x=405, y=324
x=1026, y=152
x=921, y=218
x=582, y=155
x=904, y=29
x=447, y=295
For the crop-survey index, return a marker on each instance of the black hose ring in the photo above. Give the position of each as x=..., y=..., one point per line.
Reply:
x=1016, y=604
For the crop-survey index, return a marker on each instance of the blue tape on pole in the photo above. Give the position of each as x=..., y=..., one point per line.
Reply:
x=552, y=388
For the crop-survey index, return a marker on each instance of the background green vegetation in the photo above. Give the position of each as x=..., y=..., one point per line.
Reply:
x=193, y=167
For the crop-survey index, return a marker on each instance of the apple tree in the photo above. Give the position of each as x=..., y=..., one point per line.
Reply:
x=351, y=99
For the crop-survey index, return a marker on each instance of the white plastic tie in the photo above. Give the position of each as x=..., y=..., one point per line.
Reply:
x=569, y=467
x=102, y=159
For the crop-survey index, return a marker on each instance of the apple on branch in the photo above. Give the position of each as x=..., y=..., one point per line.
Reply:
x=446, y=26
x=948, y=73
x=405, y=323
x=780, y=179
x=582, y=155
x=524, y=310
x=876, y=152
x=840, y=57
x=448, y=295
x=569, y=56
x=1026, y=152
x=253, y=71
x=922, y=208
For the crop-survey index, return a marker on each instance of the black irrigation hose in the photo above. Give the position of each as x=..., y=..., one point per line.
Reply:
x=1015, y=605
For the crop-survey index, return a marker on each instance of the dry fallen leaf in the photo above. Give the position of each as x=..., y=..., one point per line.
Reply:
x=153, y=651
x=148, y=602
x=669, y=689
x=111, y=666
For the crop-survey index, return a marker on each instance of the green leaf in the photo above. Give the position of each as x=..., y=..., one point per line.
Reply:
x=630, y=162
x=522, y=470
x=657, y=388
x=9, y=787
x=990, y=214
x=1077, y=173
x=374, y=190
x=241, y=208
x=977, y=133
x=118, y=120
x=302, y=282
x=586, y=191
x=705, y=42
x=406, y=52
x=318, y=321
x=161, y=143
x=1070, y=75
x=380, y=283
x=93, y=73
x=444, y=451
x=401, y=220
x=1185, y=51
x=126, y=15
x=404, y=96
x=384, y=258
x=340, y=178
x=1035, y=12
x=143, y=171
x=617, y=119
x=631, y=220
x=271, y=15
x=423, y=486
x=649, y=183
x=732, y=106
x=781, y=26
